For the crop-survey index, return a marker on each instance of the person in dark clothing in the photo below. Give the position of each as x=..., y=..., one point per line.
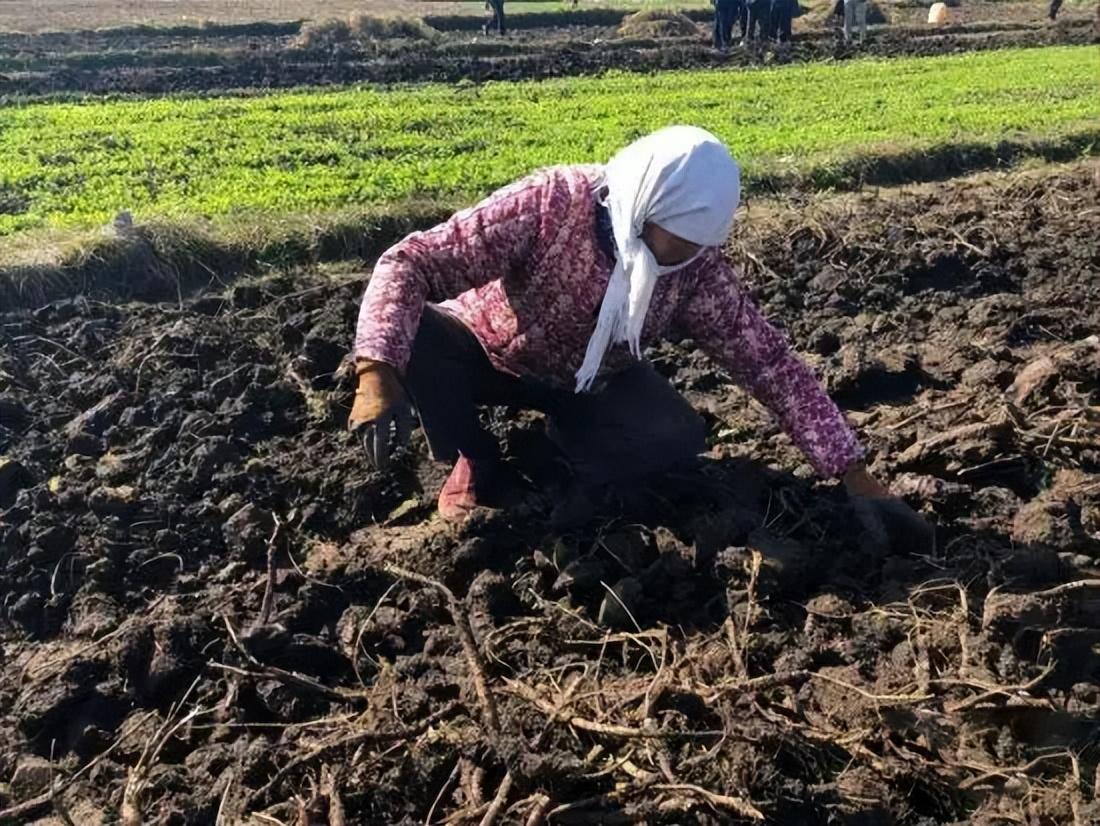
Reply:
x=539, y=297
x=758, y=18
x=601, y=435
x=1055, y=5
x=497, y=21
x=726, y=12
x=782, y=13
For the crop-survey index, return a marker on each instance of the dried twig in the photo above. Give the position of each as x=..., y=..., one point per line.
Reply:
x=339, y=695
x=920, y=414
x=734, y=804
x=474, y=659
x=738, y=638
x=222, y=818
x=498, y=802
x=266, y=818
x=990, y=772
x=997, y=691
x=537, y=815
x=761, y=683
x=887, y=699
x=626, y=732
x=1065, y=588
x=330, y=782
x=348, y=741
x=362, y=629
x=268, y=604
x=465, y=814
x=130, y=813
x=472, y=778
x=55, y=801
x=921, y=450
x=442, y=791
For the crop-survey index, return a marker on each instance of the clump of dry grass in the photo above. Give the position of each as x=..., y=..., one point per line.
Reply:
x=318, y=33
x=373, y=27
x=360, y=27
x=658, y=23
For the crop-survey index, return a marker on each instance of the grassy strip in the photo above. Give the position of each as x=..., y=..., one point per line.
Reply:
x=72, y=165
x=901, y=166
x=164, y=259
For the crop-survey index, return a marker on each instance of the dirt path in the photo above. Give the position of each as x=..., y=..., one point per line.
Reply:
x=198, y=619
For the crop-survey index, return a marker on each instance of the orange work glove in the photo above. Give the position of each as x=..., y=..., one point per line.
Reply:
x=381, y=414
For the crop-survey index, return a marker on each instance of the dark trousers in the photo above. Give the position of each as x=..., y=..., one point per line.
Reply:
x=636, y=424
x=1055, y=5
x=497, y=21
x=780, y=27
x=759, y=18
x=726, y=12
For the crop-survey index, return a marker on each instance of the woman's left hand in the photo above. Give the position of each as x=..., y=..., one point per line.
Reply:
x=886, y=518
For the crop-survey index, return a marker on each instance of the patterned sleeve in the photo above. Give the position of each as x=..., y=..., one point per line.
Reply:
x=729, y=327
x=475, y=246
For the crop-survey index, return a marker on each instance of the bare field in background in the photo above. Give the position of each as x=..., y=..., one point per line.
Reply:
x=51, y=15
x=24, y=15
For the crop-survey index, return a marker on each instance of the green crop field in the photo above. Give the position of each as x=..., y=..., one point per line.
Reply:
x=76, y=164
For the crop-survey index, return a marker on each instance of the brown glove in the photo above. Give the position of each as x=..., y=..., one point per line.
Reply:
x=381, y=414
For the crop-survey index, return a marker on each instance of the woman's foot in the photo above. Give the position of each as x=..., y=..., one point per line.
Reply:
x=467, y=488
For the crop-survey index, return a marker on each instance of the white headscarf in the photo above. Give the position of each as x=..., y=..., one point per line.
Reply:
x=681, y=178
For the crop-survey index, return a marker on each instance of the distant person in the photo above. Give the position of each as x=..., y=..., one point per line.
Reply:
x=782, y=14
x=497, y=20
x=543, y=297
x=1055, y=5
x=836, y=16
x=758, y=20
x=726, y=12
x=855, y=17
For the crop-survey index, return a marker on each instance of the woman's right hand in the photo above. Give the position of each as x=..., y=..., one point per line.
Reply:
x=381, y=414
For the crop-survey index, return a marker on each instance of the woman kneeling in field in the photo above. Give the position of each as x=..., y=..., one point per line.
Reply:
x=542, y=297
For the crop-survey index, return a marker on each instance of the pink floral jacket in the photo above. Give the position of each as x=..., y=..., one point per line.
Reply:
x=526, y=272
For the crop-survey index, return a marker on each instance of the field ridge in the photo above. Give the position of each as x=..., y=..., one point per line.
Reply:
x=74, y=165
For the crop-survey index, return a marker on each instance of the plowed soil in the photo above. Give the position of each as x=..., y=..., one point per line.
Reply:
x=148, y=61
x=212, y=612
